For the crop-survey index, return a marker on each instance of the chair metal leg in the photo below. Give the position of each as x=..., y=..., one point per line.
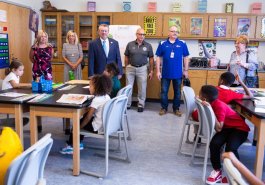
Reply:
x=128, y=127
x=205, y=160
x=188, y=134
x=181, y=138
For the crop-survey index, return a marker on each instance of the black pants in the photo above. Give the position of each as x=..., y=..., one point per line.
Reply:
x=88, y=127
x=232, y=138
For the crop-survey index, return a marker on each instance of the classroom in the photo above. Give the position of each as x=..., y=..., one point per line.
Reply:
x=69, y=70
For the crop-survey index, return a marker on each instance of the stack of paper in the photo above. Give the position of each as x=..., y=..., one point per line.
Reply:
x=259, y=102
x=74, y=98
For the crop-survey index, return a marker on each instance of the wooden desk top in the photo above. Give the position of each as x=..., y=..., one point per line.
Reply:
x=248, y=106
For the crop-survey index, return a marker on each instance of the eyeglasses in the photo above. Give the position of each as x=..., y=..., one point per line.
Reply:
x=141, y=34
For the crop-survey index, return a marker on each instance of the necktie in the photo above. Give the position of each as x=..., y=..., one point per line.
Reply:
x=105, y=47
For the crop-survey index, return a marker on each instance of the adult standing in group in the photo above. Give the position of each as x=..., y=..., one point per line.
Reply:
x=137, y=54
x=102, y=51
x=73, y=56
x=172, y=52
x=41, y=54
x=244, y=62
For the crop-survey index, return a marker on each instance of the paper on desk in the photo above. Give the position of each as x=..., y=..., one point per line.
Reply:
x=78, y=82
x=68, y=87
x=259, y=102
x=86, y=87
x=260, y=110
x=74, y=98
x=12, y=94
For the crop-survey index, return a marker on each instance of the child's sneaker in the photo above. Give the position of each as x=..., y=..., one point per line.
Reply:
x=69, y=149
x=215, y=176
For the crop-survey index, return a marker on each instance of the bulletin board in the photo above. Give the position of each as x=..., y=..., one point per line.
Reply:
x=123, y=34
x=4, y=51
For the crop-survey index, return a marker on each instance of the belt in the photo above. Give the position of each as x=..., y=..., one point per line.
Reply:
x=139, y=65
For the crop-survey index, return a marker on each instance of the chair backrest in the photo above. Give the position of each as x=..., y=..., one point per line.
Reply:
x=113, y=117
x=204, y=128
x=127, y=90
x=234, y=176
x=28, y=167
x=189, y=101
x=211, y=118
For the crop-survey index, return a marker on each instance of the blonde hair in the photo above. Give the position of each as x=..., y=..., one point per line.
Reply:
x=38, y=39
x=71, y=32
x=243, y=39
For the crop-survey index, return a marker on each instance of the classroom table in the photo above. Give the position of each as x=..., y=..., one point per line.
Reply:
x=9, y=106
x=51, y=108
x=246, y=108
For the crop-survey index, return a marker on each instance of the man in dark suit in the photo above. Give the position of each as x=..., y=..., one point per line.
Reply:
x=102, y=51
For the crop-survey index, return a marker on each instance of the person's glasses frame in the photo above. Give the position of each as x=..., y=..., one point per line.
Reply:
x=141, y=34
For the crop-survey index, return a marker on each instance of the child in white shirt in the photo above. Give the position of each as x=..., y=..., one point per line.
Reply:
x=100, y=87
x=15, y=71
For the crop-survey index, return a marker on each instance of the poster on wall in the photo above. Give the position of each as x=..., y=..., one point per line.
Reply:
x=243, y=25
x=4, y=51
x=123, y=34
x=196, y=26
x=219, y=27
x=33, y=21
x=150, y=25
x=175, y=21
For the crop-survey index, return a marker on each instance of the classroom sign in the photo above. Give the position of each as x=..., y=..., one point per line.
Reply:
x=4, y=51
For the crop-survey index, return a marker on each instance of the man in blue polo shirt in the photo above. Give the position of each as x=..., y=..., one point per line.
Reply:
x=171, y=53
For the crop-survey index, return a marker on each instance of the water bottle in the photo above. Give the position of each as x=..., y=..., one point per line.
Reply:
x=71, y=75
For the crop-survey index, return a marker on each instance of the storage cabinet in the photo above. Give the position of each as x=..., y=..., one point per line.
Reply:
x=152, y=24
x=244, y=25
x=196, y=25
x=68, y=22
x=50, y=23
x=261, y=80
x=125, y=18
x=101, y=18
x=177, y=20
x=213, y=76
x=220, y=26
x=197, y=79
x=260, y=28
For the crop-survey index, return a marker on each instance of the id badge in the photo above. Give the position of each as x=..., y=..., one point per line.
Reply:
x=172, y=54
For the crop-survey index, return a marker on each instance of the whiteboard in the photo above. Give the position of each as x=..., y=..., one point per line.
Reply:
x=123, y=34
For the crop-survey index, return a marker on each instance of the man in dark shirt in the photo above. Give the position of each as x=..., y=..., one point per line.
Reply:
x=137, y=54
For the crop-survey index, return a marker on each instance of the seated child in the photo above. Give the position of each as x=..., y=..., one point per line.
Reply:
x=14, y=72
x=231, y=130
x=113, y=71
x=100, y=87
x=227, y=95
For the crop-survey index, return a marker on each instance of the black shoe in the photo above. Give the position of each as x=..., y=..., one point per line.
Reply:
x=39, y=129
x=254, y=143
x=67, y=131
x=199, y=140
x=128, y=108
x=140, y=109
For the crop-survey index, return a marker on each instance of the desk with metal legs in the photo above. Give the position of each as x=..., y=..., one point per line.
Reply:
x=246, y=109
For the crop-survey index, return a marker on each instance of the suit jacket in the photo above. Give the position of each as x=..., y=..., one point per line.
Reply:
x=98, y=58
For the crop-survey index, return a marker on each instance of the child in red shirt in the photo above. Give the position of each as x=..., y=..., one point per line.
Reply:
x=231, y=131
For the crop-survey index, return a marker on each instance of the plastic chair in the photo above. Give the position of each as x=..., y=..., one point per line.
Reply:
x=127, y=90
x=112, y=115
x=206, y=131
x=189, y=103
x=234, y=176
x=28, y=167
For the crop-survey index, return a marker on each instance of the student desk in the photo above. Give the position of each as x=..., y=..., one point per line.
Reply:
x=51, y=108
x=9, y=106
x=246, y=108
